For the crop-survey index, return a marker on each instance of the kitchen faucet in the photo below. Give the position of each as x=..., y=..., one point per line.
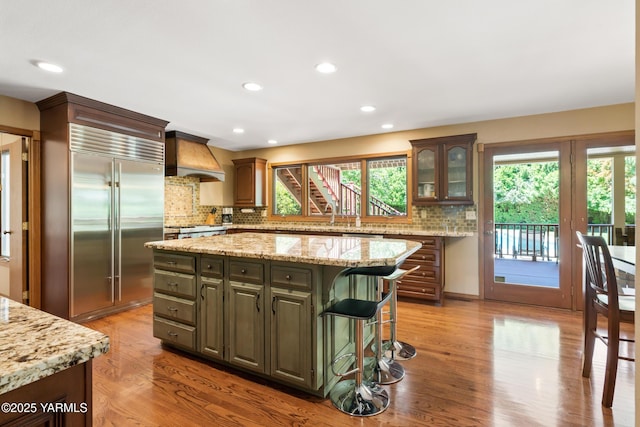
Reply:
x=333, y=211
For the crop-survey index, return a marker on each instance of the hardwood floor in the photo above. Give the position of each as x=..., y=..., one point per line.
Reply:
x=478, y=364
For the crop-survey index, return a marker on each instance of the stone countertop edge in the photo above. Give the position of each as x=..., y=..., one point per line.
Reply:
x=308, y=249
x=35, y=344
x=353, y=230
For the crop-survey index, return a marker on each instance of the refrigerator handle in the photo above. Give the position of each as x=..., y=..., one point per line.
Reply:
x=118, y=233
x=112, y=185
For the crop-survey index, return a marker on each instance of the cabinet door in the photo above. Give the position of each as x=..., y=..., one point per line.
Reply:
x=246, y=325
x=457, y=170
x=291, y=336
x=245, y=193
x=426, y=185
x=211, y=318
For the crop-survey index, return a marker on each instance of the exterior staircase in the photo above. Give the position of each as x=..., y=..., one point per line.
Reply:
x=326, y=191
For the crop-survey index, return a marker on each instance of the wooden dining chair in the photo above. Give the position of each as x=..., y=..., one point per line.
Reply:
x=602, y=297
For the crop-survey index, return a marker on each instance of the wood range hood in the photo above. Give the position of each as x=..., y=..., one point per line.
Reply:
x=189, y=155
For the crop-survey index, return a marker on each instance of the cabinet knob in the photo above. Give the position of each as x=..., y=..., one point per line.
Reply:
x=208, y=266
x=288, y=277
x=172, y=334
x=172, y=285
x=243, y=271
x=172, y=309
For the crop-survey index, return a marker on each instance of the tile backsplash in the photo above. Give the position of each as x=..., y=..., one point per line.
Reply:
x=182, y=202
x=182, y=207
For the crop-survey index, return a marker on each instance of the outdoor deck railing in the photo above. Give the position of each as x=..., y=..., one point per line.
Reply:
x=539, y=241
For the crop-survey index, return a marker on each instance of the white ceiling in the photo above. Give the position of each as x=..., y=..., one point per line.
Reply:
x=422, y=63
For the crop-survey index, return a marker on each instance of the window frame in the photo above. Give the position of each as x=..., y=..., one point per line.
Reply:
x=339, y=220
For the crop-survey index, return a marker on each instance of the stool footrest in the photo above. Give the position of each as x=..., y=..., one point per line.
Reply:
x=361, y=401
x=399, y=350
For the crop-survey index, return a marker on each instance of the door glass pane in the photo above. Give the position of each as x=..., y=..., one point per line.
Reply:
x=457, y=172
x=426, y=173
x=526, y=214
x=288, y=190
x=611, y=194
x=334, y=189
x=387, y=186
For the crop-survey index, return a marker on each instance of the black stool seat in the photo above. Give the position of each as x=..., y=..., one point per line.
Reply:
x=355, y=308
x=381, y=270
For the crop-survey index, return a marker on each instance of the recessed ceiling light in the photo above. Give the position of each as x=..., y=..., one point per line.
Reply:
x=387, y=126
x=47, y=66
x=238, y=130
x=272, y=141
x=367, y=108
x=326, y=68
x=252, y=86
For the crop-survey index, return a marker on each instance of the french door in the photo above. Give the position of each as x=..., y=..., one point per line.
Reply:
x=527, y=217
x=536, y=195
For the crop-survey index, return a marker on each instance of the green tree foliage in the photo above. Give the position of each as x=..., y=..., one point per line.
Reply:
x=286, y=204
x=390, y=186
x=599, y=185
x=526, y=193
x=630, y=189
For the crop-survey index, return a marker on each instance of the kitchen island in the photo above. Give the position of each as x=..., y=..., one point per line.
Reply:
x=254, y=301
x=45, y=367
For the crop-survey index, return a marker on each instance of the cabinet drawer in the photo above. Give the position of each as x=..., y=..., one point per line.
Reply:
x=177, y=309
x=424, y=273
x=291, y=277
x=174, y=333
x=211, y=267
x=429, y=242
x=426, y=257
x=175, y=283
x=427, y=291
x=174, y=262
x=251, y=272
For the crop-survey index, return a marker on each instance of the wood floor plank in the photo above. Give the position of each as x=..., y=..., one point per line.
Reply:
x=479, y=363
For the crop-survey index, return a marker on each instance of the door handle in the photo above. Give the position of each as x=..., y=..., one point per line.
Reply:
x=258, y=303
x=7, y=232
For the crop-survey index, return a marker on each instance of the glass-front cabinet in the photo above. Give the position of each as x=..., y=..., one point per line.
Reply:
x=442, y=170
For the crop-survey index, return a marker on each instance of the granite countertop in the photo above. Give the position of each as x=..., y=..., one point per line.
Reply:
x=309, y=249
x=387, y=230
x=35, y=344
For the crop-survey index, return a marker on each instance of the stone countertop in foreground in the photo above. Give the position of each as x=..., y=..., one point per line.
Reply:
x=308, y=249
x=35, y=344
x=389, y=230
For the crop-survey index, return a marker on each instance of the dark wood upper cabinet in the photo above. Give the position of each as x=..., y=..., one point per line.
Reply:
x=250, y=182
x=443, y=170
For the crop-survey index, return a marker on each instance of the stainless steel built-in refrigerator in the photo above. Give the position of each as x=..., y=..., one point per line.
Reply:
x=117, y=204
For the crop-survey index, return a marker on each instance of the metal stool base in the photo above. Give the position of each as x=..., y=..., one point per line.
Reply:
x=387, y=372
x=363, y=401
x=399, y=350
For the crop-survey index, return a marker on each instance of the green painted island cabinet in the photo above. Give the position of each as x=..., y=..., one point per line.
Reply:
x=256, y=315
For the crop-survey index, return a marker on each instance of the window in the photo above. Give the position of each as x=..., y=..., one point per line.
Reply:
x=387, y=186
x=339, y=188
x=288, y=190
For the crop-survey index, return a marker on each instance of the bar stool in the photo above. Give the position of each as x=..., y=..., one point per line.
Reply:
x=386, y=370
x=358, y=397
x=396, y=350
